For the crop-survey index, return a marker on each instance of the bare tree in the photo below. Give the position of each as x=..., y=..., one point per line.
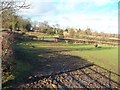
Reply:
x=8, y=9
x=13, y=5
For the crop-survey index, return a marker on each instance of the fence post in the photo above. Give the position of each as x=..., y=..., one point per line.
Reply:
x=109, y=79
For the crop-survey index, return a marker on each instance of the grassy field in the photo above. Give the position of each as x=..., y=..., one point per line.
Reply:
x=105, y=56
x=41, y=58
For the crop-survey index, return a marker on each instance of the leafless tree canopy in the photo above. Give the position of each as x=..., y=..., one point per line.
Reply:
x=13, y=4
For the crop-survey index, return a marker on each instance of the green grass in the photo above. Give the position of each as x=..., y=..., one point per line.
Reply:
x=45, y=59
x=105, y=56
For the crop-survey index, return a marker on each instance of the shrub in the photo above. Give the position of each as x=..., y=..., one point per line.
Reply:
x=7, y=40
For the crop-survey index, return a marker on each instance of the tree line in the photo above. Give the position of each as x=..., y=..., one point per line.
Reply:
x=10, y=19
x=44, y=27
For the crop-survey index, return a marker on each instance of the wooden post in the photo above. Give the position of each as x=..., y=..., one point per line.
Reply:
x=66, y=41
x=109, y=79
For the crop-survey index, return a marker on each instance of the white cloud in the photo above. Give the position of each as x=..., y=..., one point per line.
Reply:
x=46, y=10
x=115, y=11
x=38, y=7
x=98, y=23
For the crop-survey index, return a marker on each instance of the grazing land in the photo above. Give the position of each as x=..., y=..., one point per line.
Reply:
x=105, y=56
x=36, y=58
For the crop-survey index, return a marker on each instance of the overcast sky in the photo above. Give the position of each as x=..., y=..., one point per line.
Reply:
x=99, y=15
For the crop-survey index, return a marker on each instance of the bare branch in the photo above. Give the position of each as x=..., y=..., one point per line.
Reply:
x=15, y=5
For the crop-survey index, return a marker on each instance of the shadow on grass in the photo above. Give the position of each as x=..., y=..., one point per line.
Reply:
x=41, y=61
